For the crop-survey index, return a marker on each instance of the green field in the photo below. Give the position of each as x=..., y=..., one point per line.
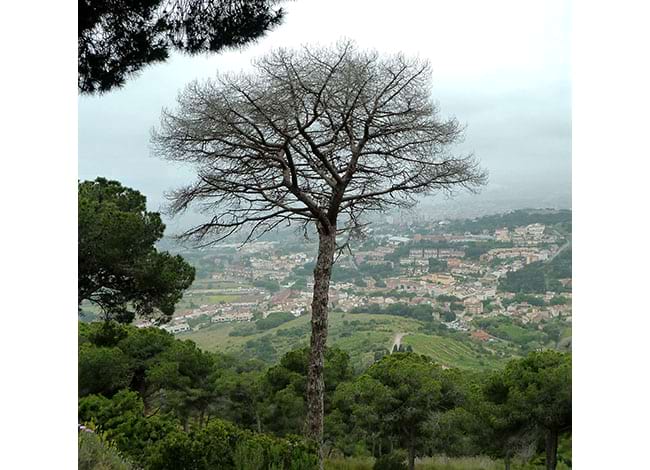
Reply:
x=451, y=352
x=195, y=299
x=361, y=335
x=216, y=299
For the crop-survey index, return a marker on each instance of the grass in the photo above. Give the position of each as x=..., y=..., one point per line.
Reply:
x=452, y=352
x=439, y=462
x=207, y=283
x=358, y=463
x=196, y=299
x=361, y=335
x=430, y=463
x=515, y=333
x=214, y=337
x=95, y=453
x=215, y=299
x=459, y=463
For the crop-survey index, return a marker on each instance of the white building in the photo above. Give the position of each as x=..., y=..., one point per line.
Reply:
x=178, y=328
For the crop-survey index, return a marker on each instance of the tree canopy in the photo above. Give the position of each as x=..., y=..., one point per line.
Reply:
x=120, y=269
x=157, y=397
x=398, y=398
x=117, y=38
x=535, y=392
x=315, y=135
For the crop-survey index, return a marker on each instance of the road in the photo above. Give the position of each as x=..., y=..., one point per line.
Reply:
x=562, y=248
x=397, y=341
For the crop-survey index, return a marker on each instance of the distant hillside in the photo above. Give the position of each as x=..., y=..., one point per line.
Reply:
x=364, y=336
x=540, y=276
x=512, y=219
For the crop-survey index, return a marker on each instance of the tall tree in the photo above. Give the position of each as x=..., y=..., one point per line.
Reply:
x=505, y=429
x=117, y=38
x=288, y=381
x=539, y=387
x=400, y=398
x=316, y=137
x=184, y=378
x=120, y=269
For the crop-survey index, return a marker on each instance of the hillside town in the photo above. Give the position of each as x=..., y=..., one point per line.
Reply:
x=460, y=275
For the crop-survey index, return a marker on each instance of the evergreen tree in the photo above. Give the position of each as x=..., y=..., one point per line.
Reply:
x=120, y=269
x=117, y=38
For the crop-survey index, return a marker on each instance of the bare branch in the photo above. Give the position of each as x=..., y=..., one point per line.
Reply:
x=312, y=136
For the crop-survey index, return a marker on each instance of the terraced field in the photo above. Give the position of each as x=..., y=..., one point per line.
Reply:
x=453, y=353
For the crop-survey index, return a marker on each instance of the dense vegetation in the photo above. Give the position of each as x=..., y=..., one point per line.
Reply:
x=511, y=220
x=365, y=337
x=268, y=284
x=419, y=312
x=117, y=38
x=119, y=268
x=162, y=403
x=539, y=277
x=263, y=324
x=354, y=274
x=157, y=400
x=526, y=337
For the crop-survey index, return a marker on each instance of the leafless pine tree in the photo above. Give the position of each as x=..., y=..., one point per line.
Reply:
x=315, y=137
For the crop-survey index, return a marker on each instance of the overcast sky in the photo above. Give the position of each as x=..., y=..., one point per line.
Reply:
x=502, y=67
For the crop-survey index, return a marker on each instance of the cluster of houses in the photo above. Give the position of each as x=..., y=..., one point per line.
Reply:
x=528, y=254
x=472, y=281
x=533, y=234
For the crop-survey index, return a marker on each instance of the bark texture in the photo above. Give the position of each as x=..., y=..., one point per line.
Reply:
x=551, y=449
x=319, y=310
x=411, y=458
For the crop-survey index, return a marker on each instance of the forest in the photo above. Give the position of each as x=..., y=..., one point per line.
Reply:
x=163, y=403
x=539, y=277
x=512, y=219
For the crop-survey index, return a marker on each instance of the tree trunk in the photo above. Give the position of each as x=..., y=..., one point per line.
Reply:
x=506, y=461
x=186, y=423
x=551, y=449
x=319, y=310
x=411, y=458
x=258, y=421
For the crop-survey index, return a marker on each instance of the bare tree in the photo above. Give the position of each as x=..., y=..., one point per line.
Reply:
x=315, y=137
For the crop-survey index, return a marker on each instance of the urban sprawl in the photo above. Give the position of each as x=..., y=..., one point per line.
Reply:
x=416, y=263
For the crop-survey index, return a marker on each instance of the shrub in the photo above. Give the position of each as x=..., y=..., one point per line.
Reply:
x=249, y=455
x=349, y=463
x=395, y=460
x=97, y=453
x=273, y=320
x=224, y=446
x=102, y=370
x=121, y=420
